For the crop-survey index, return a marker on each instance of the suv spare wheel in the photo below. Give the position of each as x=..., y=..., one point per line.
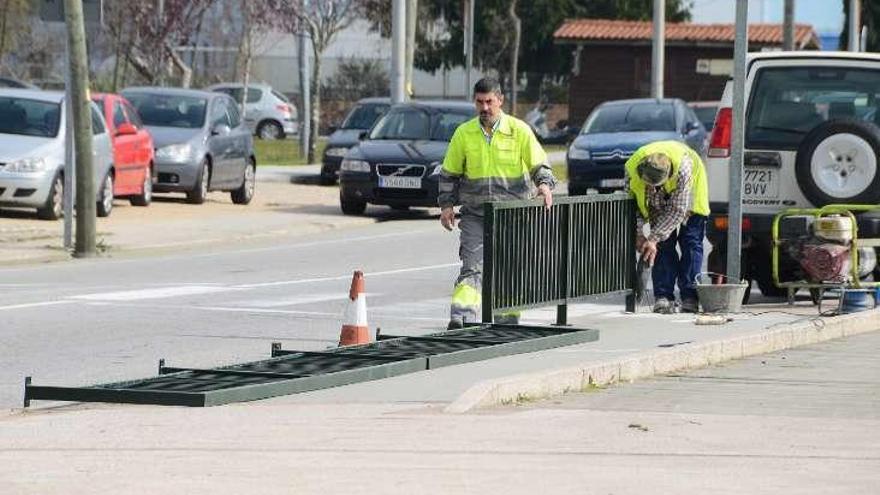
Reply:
x=837, y=162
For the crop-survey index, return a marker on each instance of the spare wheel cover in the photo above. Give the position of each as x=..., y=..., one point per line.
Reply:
x=843, y=165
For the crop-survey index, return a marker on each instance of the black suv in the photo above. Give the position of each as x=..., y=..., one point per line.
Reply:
x=398, y=163
x=360, y=118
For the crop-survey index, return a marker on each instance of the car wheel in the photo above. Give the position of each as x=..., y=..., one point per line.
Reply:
x=105, y=198
x=352, y=206
x=146, y=195
x=244, y=194
x=53, y=208
x=269, y=130
x=837, y=162
x=200, y=191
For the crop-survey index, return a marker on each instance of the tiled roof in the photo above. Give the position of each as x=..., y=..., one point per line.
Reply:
x=575, y=30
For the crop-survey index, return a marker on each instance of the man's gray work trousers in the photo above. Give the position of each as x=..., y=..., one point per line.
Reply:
x=468, y=291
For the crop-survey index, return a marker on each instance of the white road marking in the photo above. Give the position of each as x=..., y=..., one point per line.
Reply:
x=160, y=293
x=367, y=275
x=307, y=299
x=33, y=305
x=292, y=312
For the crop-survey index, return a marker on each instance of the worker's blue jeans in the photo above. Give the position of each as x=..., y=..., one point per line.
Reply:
x=668, y=266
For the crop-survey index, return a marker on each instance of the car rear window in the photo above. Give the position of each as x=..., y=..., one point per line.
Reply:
x=787, y=103
x=631, y=118
x=706, y=115
x=29, y=117
x=364, y=116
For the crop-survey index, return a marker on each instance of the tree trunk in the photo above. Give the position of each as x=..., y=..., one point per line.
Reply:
x=316, y=101
x=514, y=55
x=3, y=22
x=142, y=65
x=118, y=42
x=248, y=56
x=185, y=71
x=246, y=50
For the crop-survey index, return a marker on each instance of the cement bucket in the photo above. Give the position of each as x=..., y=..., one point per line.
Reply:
x=720, y=298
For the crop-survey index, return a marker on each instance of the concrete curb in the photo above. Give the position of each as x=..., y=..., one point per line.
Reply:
x=531, y=386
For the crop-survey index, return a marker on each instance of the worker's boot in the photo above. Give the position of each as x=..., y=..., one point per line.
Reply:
x=664, y=306
x=689, y=306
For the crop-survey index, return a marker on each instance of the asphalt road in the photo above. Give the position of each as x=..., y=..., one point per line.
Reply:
x=95, y=321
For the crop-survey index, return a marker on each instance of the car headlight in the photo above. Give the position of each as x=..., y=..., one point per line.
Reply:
x=174, y=153
x=27, y=166
x=578, y=154
x=336, y=152
x=438, y=167
x=355, y=166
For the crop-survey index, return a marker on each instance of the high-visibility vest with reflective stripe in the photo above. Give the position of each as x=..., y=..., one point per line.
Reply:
x=494, y=171
x=675, y=151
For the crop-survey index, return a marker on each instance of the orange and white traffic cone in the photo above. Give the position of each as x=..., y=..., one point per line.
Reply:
x=355, y=329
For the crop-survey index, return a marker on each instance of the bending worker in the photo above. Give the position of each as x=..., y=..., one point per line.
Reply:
x=668, y=181
x=491, y=157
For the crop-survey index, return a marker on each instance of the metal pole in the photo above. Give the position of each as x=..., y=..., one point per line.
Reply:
x=788, y=26
x=854, y=24
x=398, y=34
x=305, y=125
x=69, y=157
x=82, y=123
x=412, y=7
x=160, y=19
x=657, y=49
x=468, y=47
x=734, y=231
x=863, y=41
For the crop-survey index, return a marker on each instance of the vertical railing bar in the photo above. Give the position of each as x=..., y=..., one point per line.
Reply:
x=488, y=293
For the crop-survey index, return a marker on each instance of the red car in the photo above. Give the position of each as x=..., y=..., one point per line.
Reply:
x=133, y=170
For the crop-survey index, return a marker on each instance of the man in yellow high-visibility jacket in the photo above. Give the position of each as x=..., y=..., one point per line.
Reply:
x=491, y=157
x=668, y=181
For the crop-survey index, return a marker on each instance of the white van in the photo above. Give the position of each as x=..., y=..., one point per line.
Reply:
x=811, y=139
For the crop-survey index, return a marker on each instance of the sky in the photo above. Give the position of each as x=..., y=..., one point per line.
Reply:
x=826, y=16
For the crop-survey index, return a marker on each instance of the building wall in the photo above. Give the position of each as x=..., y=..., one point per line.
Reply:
x=619, y=72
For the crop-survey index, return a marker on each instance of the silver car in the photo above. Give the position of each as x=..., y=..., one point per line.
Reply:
x=268, y=113
x=32, y=134
x=201, y=142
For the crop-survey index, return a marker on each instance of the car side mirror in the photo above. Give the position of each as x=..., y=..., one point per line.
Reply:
x=126, y=129
x=331, y=129
x=691, y=127
x=363, y=135
x=221, y=130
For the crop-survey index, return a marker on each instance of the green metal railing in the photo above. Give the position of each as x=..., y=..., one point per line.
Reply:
x=583, y=246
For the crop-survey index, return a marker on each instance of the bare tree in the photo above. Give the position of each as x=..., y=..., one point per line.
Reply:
x=256, y=20
x=151, y=36
x=14, y=28
x=514, y=54
x=322, y=20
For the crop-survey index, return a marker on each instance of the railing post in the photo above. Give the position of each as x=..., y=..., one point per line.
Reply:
x=488, y=258
x=565, y=262
x=631, y=258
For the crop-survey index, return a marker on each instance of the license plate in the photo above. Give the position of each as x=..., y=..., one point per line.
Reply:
x=401, y=182
x=612, y=182
x=760, y=183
